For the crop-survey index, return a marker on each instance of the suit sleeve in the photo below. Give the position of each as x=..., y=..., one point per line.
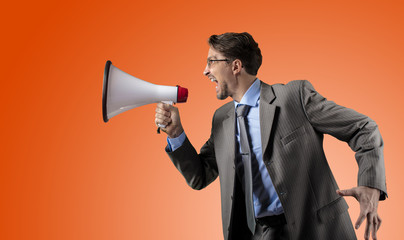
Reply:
x=199, y=170
x=359, y=131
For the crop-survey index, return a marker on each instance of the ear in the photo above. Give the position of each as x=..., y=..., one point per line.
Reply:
x=237, y=65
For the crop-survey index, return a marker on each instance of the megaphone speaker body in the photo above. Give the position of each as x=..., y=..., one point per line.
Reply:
x=122, y=92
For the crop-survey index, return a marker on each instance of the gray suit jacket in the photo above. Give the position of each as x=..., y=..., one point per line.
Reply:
x=293, y=119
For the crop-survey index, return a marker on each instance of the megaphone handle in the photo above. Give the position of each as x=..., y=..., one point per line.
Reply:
x=161, y=125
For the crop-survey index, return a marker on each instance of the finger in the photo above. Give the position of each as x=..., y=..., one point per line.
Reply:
x=374, y=228
x=162, y=120
x=360, y=219
x=161, y=105
x=163, y=111
x=379, y=222
x=347, y=192
x=371, y=225
x=164, y=106
x=367, y=228
x=162, y=116
x=162, y=124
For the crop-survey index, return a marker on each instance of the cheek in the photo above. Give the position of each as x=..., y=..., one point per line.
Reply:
x=214, y=73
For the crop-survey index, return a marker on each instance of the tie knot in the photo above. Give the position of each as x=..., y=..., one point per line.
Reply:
x=242, y=110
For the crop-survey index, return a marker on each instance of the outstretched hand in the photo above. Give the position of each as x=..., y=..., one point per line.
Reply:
x=368, y=199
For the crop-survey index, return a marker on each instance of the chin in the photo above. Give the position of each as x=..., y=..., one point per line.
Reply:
x=221, y=97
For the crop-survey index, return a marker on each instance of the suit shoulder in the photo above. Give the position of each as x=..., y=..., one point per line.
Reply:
x=296, y=87
x=295, y=84
x=221, y=114
x=223, y=110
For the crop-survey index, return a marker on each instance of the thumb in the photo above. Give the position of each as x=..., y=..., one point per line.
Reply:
x=347, y=192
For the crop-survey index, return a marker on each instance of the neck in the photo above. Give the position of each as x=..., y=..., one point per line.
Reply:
x=244, y=84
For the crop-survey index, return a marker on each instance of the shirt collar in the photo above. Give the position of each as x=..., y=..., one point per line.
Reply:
x=251, y=96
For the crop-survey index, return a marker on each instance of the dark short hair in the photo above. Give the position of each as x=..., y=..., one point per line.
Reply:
x=238, y=46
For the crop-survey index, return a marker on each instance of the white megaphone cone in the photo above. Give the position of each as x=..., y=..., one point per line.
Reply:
x=122, y=92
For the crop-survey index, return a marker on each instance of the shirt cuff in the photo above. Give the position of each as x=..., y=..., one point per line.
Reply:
x=175, y=143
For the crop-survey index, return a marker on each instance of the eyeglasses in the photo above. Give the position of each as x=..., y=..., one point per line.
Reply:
x=210, y=61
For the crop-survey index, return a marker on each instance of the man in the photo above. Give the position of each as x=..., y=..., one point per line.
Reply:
x=266, y=146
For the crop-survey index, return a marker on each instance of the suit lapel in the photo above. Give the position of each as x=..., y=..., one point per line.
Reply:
x=267, y=113
x=229, y=130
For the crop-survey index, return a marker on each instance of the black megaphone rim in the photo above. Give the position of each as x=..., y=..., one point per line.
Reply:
x=105, y=91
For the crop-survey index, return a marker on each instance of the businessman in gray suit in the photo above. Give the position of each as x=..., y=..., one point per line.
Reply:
x=266, y=146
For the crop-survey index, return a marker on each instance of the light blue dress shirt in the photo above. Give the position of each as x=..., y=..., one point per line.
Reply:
x=265, y=198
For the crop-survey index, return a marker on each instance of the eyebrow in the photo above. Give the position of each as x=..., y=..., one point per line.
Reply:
x=212, y=57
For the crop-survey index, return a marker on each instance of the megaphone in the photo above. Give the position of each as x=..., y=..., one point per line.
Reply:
x=122, y=92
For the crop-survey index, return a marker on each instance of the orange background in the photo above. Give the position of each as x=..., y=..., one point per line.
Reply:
x=65, y=174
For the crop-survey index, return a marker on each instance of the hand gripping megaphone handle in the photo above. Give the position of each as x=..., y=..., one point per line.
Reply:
x=161, y=125
x=182, y=96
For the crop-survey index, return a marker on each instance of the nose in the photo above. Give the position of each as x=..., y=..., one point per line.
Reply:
x=206, y=71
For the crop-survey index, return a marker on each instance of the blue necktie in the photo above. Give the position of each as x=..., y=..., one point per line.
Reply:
x=242, y=111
